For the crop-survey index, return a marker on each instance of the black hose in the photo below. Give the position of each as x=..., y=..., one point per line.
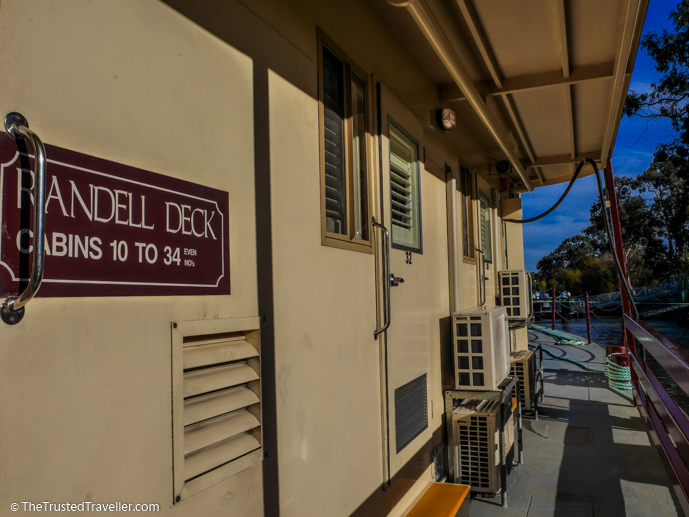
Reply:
x=608, y=229
x=557, y=203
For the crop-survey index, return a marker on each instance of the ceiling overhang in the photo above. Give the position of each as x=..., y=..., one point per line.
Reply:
x=545, y=85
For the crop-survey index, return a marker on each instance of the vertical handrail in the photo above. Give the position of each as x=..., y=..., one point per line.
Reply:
x=386, y=276
x=482, y=294
x=12, y=308
x=554, y=309
x=588, y=318
x=627, y=337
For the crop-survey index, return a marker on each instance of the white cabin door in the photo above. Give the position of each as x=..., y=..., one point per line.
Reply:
x=408, y=336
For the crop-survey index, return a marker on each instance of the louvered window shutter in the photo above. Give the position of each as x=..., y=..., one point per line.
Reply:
x=404, y=190
x=333, y=129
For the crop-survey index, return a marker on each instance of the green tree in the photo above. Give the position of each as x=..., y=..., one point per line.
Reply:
x=567, y=255
x=598, y=275
x=668, y=97
x=644, y=236
x=666, y=183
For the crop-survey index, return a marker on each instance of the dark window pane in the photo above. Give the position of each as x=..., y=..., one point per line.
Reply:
x=464, y=379
x=478, y=379
x=359, y=158
x=475, y=329
x=463, y=346
x=477, y=363
x=463, y=362
x=476, y=346
x=462, y=329
x=333, y=138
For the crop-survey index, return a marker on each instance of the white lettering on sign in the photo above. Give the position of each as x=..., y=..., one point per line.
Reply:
x=21, y=190
x=104, y=204
x=61, y=245
x=185, y=220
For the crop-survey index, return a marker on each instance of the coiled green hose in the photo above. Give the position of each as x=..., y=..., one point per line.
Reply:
x=619, y=377
x=564, y=339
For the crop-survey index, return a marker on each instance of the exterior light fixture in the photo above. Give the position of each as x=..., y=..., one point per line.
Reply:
x=446, y=119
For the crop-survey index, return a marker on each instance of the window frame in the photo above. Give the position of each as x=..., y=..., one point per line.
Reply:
x=414, y=141
x=469, y=255
x=348, y=240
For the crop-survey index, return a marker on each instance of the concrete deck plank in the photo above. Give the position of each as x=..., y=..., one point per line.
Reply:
x=588, y=454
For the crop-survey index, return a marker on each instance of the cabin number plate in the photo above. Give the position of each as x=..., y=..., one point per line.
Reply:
x=111, y=229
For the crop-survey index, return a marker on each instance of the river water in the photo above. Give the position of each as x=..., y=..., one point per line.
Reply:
x=607, y=331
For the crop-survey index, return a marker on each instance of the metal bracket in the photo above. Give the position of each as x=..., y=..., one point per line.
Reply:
x=12, y=121
x=9, y=316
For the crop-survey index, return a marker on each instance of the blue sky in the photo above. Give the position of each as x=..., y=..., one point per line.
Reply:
x=633, y=152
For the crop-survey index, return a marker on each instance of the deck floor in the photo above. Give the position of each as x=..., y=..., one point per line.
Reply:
x=588, y=454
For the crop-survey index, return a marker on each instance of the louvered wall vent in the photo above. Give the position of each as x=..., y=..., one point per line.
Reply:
x=411, y=411
x=217, y=405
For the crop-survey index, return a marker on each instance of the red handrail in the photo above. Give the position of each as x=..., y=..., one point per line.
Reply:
x=666, y=418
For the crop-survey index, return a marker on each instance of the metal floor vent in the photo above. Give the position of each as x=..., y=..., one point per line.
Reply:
x=411, y=411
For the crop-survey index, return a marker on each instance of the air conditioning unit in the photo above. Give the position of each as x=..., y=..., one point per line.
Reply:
x=481, y=348
x=523, y=366
x=516, y=293
x=476, y=441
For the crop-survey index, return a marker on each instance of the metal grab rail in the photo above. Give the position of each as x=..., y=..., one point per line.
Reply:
x=386, y=276
x=670, y=423
x=12, y=308
x=482, y=294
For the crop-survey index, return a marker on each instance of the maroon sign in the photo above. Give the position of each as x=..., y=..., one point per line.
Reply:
x=111, y=230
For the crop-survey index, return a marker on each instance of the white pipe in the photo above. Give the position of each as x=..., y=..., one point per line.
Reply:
x=430, y=28
x=452, y=241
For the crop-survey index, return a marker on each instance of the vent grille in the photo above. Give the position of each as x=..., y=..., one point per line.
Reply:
x=522, y=366
x=411, y=411
x=474, y=451
x=470, y=342
x=515, y=293
x=221, y=410
x=477, y=443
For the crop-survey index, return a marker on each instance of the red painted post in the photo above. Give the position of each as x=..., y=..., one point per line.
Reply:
x=588, y=318
x=627, y=337
x=553, y=308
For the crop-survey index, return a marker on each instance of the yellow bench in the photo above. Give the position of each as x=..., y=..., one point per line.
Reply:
x=443, y=499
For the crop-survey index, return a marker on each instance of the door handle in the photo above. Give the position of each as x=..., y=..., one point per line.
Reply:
x=12, y=308
x=395, y=280
x=387, y=275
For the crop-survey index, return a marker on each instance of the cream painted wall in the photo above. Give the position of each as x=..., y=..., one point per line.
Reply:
x=511, y=208
x=85, y=414
x=138, y=83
